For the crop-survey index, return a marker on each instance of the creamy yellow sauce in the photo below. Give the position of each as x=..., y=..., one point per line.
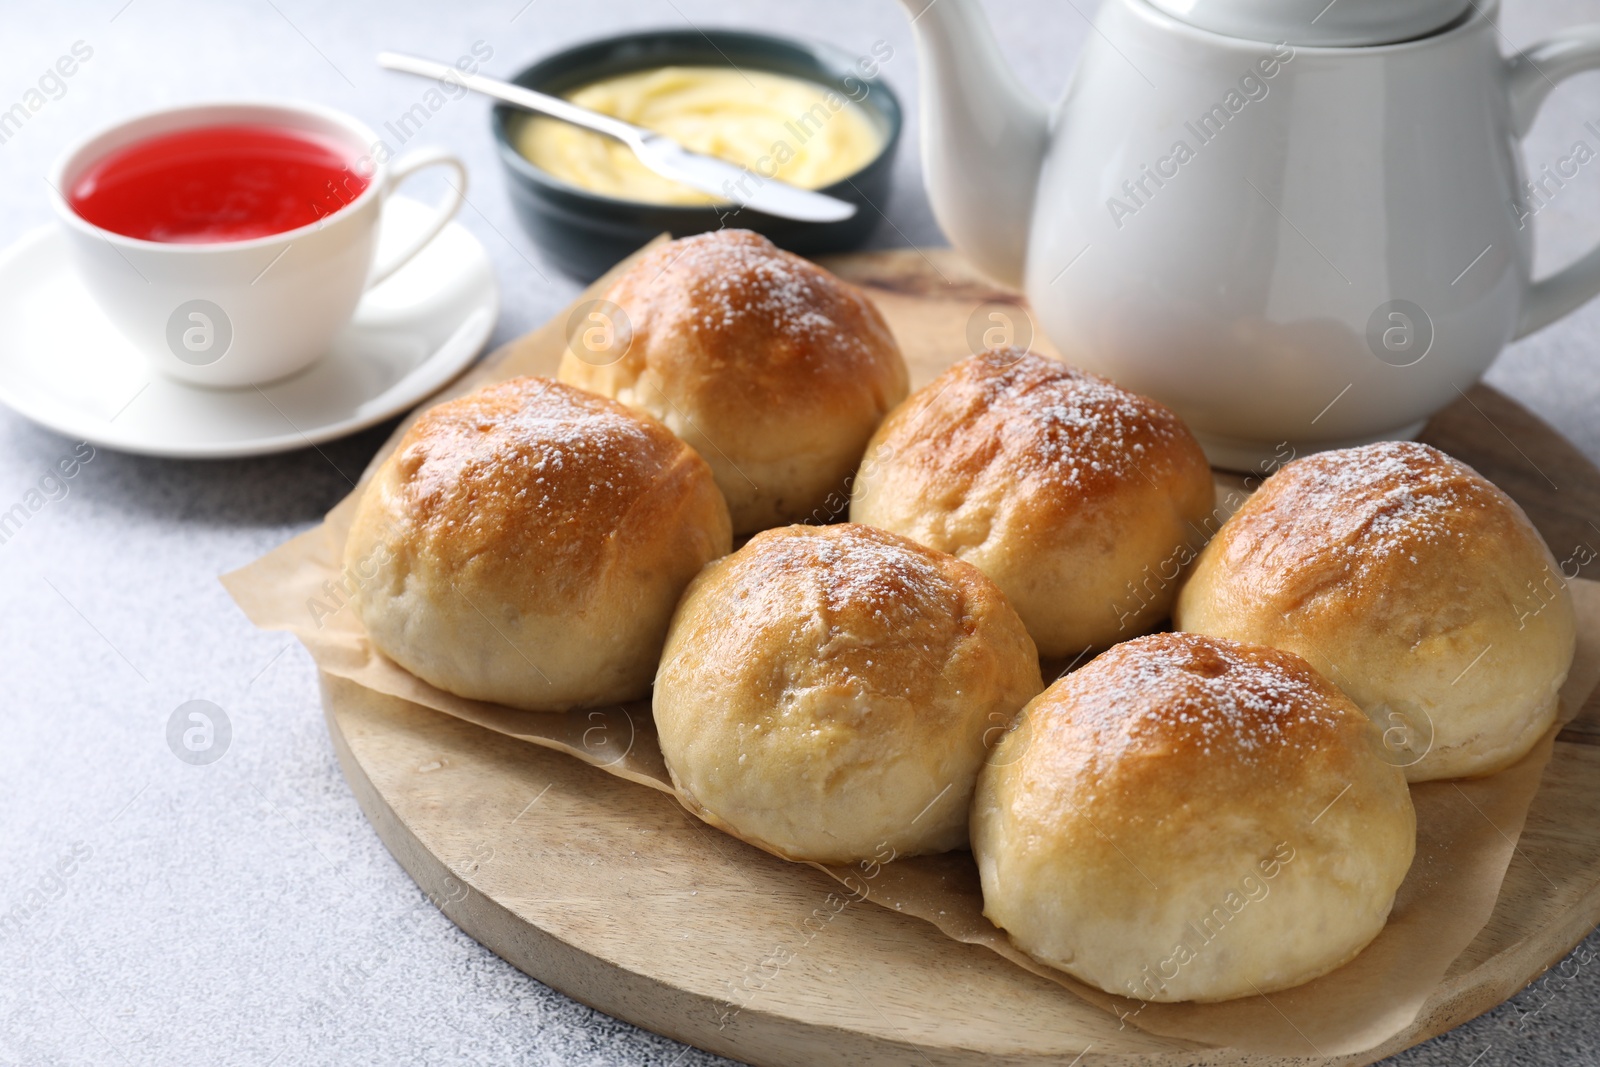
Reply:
x=780, y=127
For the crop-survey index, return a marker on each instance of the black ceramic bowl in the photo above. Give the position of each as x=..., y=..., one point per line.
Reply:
x=585, y=233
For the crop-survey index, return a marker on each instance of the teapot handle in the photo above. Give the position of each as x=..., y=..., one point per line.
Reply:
x=1530, y=77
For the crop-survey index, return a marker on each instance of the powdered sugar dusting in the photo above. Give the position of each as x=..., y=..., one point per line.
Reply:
x=839, y=606
x=737, y=280
x=1375, y=503
x=861, y=572
x=894, y=584
x=531, y=453
x=1206, y=693
x=1065, y=425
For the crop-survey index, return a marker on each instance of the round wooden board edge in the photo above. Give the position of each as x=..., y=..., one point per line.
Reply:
x=642, y=1000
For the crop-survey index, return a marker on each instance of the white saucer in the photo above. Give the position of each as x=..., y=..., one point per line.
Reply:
x=63, y=365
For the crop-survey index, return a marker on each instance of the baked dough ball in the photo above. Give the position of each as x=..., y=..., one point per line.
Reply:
x=530, y=542
x=1187, y=818
x=827, y=693
x=1414, y=584
x=775, y=371
x=1081, y=500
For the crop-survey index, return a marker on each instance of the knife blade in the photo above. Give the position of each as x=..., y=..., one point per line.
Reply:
x=661, y=154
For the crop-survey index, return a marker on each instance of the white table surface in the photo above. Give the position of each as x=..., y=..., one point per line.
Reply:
x=244, y=912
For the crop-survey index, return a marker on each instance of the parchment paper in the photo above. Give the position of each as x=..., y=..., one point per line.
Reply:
x=1466, y=831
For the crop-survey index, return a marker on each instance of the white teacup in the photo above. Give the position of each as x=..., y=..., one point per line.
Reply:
x=240, y=312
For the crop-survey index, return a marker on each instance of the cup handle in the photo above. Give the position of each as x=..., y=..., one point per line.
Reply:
x=1530, y=77
x=448, y=205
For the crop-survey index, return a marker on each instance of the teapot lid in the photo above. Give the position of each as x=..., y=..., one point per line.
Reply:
x=1318, y=23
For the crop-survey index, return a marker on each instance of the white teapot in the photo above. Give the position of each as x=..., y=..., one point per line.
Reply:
x=1292, y=221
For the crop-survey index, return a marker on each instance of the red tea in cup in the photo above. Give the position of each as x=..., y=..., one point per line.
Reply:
x=211, y=184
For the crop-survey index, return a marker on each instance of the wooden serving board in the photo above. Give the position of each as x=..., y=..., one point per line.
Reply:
x=613, y=894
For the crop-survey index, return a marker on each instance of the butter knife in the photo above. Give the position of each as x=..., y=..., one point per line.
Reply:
x=660, y=153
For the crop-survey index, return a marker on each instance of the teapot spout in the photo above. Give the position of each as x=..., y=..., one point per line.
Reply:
x=983, y=136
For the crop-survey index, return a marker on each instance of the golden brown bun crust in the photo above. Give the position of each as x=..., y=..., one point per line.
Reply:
x=1080, y=499
x=1393, y=568
x=1175, y=775
x=533, y=540
x=776, y=371
x=827, y=692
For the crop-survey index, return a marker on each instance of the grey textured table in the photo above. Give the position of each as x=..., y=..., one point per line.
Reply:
x=244, y=912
